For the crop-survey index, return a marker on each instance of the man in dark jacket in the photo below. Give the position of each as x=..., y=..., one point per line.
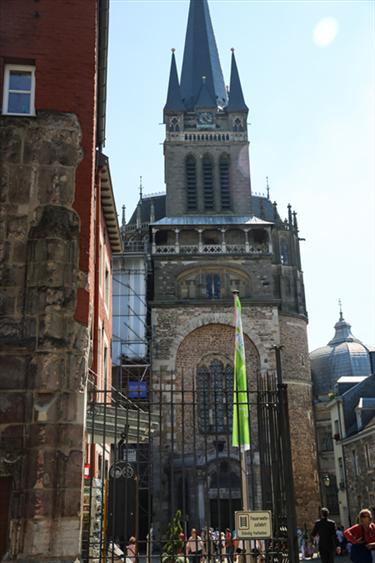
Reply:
x=326, y=530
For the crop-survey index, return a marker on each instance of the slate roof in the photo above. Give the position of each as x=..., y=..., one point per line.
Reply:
x=212, y=220
x=174, y=101
x=159, y=208
x=344, y=355
x=201, y=58
x=261, y=207
x=236, y=99
x=351, y=398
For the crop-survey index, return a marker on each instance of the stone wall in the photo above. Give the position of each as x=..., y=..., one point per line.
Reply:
x=258, y=271
x=296, y=373
x=182, y=335
x=175, y=155
x=359, y=454
x=43, y=350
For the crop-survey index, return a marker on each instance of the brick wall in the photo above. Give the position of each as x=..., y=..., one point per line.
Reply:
x=59, y=37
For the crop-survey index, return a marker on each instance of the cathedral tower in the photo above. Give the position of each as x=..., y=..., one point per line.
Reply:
x=215, y=236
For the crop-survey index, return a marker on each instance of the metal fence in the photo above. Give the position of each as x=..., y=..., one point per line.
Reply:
x=162, y=463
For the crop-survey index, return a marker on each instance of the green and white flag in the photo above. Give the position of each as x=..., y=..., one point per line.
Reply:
x=240, y=430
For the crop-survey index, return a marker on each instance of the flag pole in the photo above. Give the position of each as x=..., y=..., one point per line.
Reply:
x=240, y=439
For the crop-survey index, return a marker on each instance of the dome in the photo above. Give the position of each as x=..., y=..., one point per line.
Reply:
x=344, y=355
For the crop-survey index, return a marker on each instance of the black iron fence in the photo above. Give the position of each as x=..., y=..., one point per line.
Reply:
x=161, y=463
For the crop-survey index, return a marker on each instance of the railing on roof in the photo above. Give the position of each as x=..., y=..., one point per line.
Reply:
x=166, y=249
x=135, y=246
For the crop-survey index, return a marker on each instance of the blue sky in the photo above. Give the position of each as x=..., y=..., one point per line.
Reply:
x=312, y=115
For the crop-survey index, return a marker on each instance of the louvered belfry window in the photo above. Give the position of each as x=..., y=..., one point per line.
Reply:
x=224, y=182
x=208, y=183
x=191, y=183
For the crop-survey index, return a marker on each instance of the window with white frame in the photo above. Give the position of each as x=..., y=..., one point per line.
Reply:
x=19, y=90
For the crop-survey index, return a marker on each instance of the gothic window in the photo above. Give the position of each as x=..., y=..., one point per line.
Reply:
x=215, y=397
x=208, y=183
x=213, y=286
x=224, y=181
x=284, y=252
x=174, y=125
x=191, y=183
x=210, y=284
x=237, y=125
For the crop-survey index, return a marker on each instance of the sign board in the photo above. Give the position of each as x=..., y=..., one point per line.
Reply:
x=253, y=525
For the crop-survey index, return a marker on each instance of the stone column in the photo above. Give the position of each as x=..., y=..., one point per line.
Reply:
x=154, y=231
x=200, y=244
x=247, y=246
x=177, y=242
x=223, y=243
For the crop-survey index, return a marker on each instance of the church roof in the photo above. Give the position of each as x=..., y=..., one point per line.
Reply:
x=236, y=99
x=262, y=208
x=201, y=58
x=205, y=99
x=212, y=220
x=344, y=355
x=174, y=101
x=158, y=201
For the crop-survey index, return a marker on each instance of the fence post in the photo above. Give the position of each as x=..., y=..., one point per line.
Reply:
x=282, y=392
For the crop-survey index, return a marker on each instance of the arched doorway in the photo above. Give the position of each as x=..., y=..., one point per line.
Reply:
x=224, y=493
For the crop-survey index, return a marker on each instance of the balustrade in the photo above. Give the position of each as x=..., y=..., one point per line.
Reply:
x=209, y=249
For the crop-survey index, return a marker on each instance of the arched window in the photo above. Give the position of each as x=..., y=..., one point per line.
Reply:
x=224, y=181
x=208, y=183
x=237, y=125
x=174, y=125
x=215, y=397
x=191, y=183
x=284, y=252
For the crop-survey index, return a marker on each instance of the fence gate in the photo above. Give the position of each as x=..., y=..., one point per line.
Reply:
x=162, y=463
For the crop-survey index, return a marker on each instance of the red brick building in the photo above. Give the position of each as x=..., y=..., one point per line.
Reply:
x=58, y=228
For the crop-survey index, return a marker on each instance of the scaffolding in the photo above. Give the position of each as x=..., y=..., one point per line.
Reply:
x=130, y=311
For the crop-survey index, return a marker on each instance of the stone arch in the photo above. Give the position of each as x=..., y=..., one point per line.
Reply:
x=207, y=318
x=208, y=340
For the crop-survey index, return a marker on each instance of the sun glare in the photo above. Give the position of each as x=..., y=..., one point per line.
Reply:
x=325, y=32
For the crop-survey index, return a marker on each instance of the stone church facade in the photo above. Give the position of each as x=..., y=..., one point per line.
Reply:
x=212, y=237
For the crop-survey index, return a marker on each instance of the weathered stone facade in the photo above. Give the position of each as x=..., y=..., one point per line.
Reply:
x=43, y=349
x=359, y=455
x=183, y=336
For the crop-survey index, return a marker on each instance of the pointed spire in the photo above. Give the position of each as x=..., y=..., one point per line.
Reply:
x=236, y=99
x=201, y=58
x=290, y=222
x=340, y=306
x=152, y=211
x=267, y=188
x=123, y=219
x=205, y=100
x=174, y=101
x=275, y=213
x=123, y=223
x=140, y=188
x=295, y=222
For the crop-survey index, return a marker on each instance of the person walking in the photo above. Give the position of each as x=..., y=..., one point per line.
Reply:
x=326, y=530
x=194, y=547
x=362, y=538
